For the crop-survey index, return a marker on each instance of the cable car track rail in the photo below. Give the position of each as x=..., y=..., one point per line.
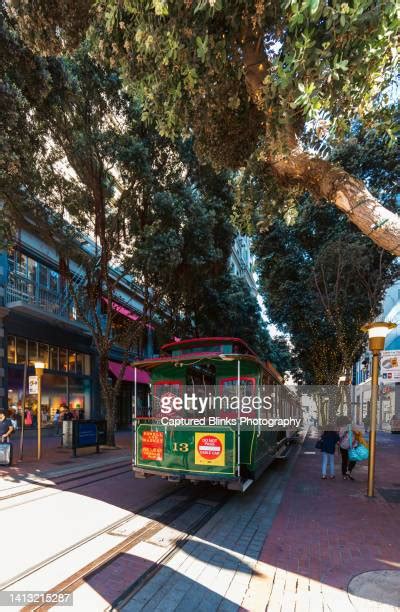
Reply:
x=167, y=519
x=108, y=528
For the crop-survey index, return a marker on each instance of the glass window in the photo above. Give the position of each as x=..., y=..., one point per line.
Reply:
x=20, y=263
x=79, y=397
x=11, y=260
x=54, y=395
x=21, y=350
x=71, y=361
x=43, y=276
x=63, y=359
x=32, y=352
x=79, y=363
x=32, y=267
x=53, y=280
x=44, y=354
x=11, y=350
x=53, y=358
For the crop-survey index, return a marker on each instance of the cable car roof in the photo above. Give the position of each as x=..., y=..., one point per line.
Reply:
x=208, y=340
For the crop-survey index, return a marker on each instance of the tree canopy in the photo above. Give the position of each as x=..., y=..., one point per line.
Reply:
x=321, y=279
x=270, y=81
x=77, y=160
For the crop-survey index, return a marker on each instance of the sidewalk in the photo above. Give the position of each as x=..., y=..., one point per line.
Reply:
x=57, y=460
x=327, y=532
x=292, y=543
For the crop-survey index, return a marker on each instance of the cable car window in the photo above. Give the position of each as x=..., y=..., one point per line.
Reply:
x=247, y=384
x=164, y=393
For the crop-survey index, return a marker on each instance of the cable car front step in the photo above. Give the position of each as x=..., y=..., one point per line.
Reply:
x=240, y=485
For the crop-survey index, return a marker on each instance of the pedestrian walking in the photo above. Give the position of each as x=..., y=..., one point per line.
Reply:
x=347, y=465
x=327, y=444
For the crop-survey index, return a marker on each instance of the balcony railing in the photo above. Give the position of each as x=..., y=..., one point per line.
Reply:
x=20, y=289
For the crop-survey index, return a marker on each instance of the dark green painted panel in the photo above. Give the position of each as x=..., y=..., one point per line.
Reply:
x=179, y=450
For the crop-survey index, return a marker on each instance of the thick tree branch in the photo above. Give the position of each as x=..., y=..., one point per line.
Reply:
x=328, y=181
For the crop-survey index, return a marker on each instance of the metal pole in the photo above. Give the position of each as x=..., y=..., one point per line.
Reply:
x=372, y=433
x=21, y=440
x=238, y=423
x=39, y=418
x=134, y=419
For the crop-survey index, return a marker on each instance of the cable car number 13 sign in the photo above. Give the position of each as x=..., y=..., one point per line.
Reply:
x=209, y=448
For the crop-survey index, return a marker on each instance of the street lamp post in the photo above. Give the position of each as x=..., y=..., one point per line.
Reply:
x=377, y=332
x=39, y=367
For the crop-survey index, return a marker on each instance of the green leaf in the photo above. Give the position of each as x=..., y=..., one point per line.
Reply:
x=313, y=6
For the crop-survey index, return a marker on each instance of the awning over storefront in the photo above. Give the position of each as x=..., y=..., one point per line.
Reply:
x=129, y=374
x=125, y=312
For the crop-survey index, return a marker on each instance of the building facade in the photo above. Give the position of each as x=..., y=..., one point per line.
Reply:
x=389, y=389
x=38, y=322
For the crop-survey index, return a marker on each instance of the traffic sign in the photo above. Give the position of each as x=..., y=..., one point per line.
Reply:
x=210, y=449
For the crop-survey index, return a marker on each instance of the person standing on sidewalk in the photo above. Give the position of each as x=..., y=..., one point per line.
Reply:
x=6, y=427
x=347, y=465
x=328, y=442
x=56, y=421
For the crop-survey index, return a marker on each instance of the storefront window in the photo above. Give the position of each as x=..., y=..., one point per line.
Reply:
x=32, y=352
x=53, y=358
x=44, y=354
x=57, y=388
x=54, y=395
x=79, y=396
x=21, y=350
x=11, y=349
x=63, y=360
x=79, y=363
x=71, y=361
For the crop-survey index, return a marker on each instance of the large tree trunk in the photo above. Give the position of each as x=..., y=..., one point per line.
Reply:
x=108, y=399
x=326, y=180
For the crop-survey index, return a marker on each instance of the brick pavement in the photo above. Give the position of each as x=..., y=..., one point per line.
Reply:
x=320, y=534
x=213, y=570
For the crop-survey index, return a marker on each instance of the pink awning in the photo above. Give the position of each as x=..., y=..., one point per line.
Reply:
x=125, y=312
x=129, y=374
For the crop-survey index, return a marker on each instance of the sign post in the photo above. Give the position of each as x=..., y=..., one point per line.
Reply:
x=21, y=440
x=39, y=367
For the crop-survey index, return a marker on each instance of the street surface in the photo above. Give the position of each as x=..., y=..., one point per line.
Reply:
x=292, y=542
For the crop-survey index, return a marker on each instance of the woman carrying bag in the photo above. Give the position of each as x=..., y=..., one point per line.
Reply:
x=352, y=449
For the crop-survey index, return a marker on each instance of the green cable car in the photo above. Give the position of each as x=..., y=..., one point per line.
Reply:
x=180, y=436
